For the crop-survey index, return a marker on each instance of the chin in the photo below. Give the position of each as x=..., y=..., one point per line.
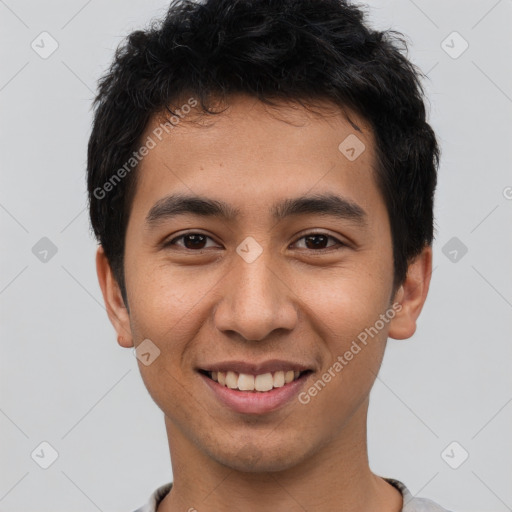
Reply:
x=260, y=458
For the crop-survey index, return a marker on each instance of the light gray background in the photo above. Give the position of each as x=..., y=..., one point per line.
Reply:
x=65, y=380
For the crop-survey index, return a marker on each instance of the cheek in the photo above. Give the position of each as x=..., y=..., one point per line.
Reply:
x=164, y=309
x=170, y=305
x=347, y=315
x=345, y=301
x=159, y=300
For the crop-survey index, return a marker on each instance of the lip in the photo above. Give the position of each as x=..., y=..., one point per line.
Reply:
x=269, y=366
x=247, y=402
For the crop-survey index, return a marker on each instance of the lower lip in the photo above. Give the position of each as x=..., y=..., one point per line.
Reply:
x=248, y=402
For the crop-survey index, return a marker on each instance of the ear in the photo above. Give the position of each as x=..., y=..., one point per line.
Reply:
x=412, y=295
x=113, y=298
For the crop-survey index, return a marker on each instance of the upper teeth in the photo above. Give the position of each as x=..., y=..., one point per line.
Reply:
x=246, y=382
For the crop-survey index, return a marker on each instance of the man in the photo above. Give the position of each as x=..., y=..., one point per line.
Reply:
x=261, y=179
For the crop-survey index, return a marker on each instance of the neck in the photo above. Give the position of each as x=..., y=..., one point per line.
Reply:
x=335, y=477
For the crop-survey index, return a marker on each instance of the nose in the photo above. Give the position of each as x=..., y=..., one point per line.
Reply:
x=256, y=300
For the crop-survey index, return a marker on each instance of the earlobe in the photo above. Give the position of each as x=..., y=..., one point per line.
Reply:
x=412, y=295
x=114, y=304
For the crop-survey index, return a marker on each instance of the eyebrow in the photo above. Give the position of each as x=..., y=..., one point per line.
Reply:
x=320, y=204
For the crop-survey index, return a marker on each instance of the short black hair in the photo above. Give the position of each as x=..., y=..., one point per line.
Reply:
x=274, y=50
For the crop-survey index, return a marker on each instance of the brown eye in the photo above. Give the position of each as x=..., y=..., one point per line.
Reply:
x=313, y=241
x=191, y=241
x=318, y=241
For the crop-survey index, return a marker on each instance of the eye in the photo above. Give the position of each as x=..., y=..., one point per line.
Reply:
x=191, y=241
x=313, y=241
x=316, y=241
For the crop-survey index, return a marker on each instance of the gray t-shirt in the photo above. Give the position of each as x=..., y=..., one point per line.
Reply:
x=411, y=504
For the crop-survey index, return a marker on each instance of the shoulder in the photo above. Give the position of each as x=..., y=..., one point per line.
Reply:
x=155, y=498
x=413, y=504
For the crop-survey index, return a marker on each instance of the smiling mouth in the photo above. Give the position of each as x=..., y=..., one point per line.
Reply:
x=260, y=383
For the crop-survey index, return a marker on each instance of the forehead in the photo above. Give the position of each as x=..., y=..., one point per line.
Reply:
x=251, y=155
x=288, y=125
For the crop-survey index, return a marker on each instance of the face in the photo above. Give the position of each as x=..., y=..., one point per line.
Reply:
x=281, y=271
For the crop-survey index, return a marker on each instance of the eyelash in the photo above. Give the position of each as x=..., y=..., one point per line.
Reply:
x=339, y=245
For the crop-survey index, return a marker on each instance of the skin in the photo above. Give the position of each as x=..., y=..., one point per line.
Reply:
x=292, y=303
